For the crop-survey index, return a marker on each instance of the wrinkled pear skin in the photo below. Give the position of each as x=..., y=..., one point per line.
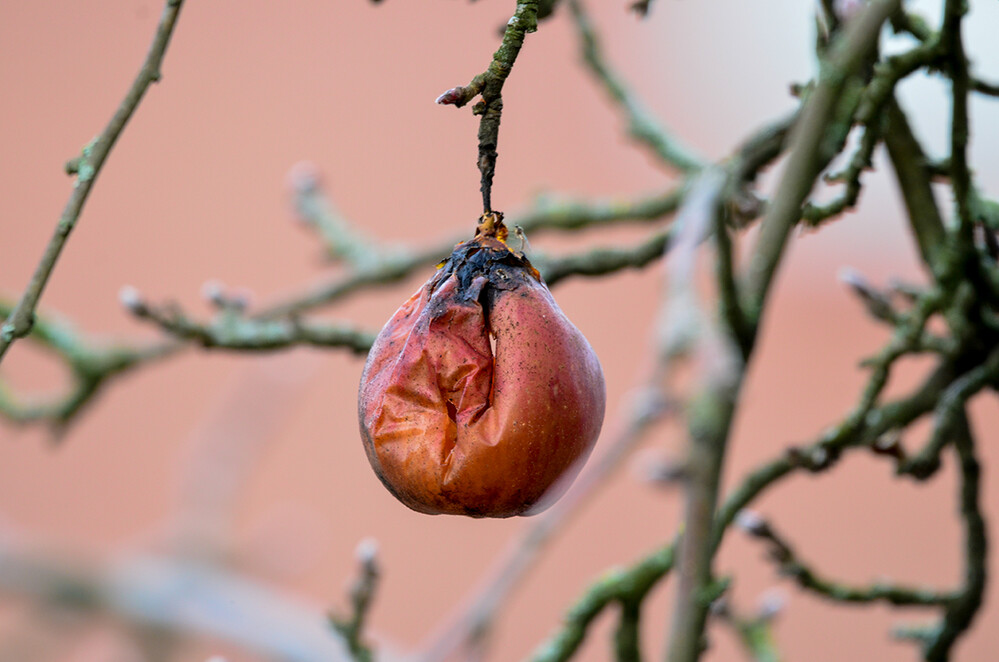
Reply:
x=453, y=423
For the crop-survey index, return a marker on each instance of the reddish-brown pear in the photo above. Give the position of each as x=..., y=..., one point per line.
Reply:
x=479, y=396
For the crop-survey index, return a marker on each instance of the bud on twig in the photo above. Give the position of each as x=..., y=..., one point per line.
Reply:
x=213, y=291
x=877, y=304
x=752, y=523
x=131, y=299
x=367, y=554
x=772, y=602
x=452, y=97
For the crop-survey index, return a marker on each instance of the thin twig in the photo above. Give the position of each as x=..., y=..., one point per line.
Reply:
x=814, y=214
x=791, y=565
x=565, y=215
x=602, y=260
x=962, y=610
x=230, y=329
x=362, y=592
x=18, y=324
x=642, y=126
x=91, y=365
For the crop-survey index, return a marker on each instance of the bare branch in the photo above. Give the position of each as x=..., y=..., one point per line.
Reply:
x=641, y=125
x=142, y=591
x=808, y=156
x=361, y=594
x=19, y=322
x=230, y=329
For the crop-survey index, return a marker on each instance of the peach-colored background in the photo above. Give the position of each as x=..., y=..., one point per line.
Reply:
x=196, y=190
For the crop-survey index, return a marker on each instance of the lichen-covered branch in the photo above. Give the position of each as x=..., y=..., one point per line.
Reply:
x=343, y=241
x=617, y=586
x=957, y=66
x=791, y=565
x=814, y=214
x=547, y=214
x=910, y=166
x=230, y=329
x=602, y=260
x=962, y=609
x=810, y=140
x=20, y=320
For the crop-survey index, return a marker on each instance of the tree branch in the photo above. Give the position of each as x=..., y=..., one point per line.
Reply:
x=547, y=214
x=962, y=610
x=790, y=565
x=809, y=146
x=19, y=322
x=230, y=329
x=143, y=591
x=910, y=166
x=91, y=366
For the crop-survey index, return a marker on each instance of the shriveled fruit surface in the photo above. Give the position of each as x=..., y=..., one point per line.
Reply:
x=479, y=396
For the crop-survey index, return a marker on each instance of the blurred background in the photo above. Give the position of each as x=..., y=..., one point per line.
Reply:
x=262, y=451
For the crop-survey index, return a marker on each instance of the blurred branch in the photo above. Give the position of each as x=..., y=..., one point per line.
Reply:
x=755, y=632
x=230, y=329
x=642, y=126
x=810, y=152
x=910, y=166
x=621, y=586
x=641, y=7
x=91, y=366
x=602, y=260
x=814, y=214
x=709, y=415
x=962, y=610
x=957, y=66
x=176, y=596
x=361, y=594
x=547, y=214
x=314, y=208
x=489, y=85
x=949, y=417
x=20, y=320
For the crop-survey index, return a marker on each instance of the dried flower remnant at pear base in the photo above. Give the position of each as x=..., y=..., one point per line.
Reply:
x=479, y=396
